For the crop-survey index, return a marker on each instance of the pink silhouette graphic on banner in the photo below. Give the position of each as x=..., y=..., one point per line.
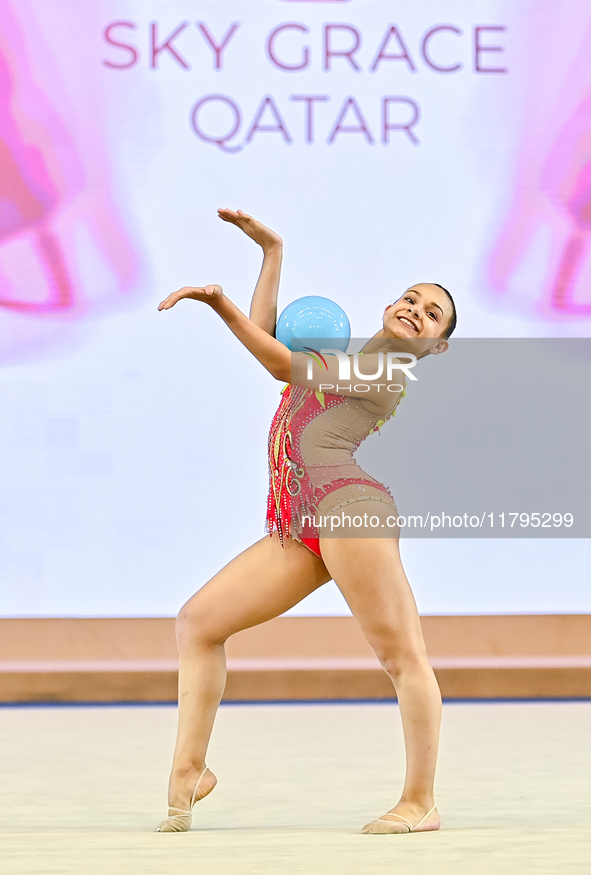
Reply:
x=28, y=196
x=567, y=180
x=542, y=258
x=65, y=255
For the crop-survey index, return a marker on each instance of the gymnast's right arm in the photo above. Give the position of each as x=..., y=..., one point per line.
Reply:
x=272, y=354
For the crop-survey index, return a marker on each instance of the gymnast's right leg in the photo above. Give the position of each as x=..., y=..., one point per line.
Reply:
x=261, y=583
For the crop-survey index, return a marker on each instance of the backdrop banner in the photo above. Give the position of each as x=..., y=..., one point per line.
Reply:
x=436, y=141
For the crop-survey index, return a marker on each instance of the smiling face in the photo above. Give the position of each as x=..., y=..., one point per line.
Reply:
x=424, y=310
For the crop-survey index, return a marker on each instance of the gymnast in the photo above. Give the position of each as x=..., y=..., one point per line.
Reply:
x=314, y=477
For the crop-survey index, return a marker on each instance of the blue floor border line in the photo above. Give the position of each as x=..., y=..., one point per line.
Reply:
x=258, y=702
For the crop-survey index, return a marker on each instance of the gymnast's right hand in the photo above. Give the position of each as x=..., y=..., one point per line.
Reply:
x=207, y=294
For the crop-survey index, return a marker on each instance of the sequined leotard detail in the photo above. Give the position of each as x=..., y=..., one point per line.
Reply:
x=311, y=443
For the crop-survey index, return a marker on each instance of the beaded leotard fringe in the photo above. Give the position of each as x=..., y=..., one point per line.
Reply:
x=281, y=467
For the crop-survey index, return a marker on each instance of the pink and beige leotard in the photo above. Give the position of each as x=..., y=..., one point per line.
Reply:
x=311, y=443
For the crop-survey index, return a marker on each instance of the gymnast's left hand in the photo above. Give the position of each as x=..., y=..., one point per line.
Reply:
x=207, y=294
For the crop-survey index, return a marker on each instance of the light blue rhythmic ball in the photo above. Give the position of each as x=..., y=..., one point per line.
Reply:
x=313, y=317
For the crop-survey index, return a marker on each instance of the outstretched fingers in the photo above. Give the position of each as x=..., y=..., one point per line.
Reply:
x=198, y=293
x=262, y=235
x=169, y=302
x=236, y=217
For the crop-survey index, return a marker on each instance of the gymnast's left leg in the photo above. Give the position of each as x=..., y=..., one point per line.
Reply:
x=369, y=573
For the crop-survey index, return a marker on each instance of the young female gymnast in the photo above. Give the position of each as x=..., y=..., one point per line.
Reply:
x=312, y=439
